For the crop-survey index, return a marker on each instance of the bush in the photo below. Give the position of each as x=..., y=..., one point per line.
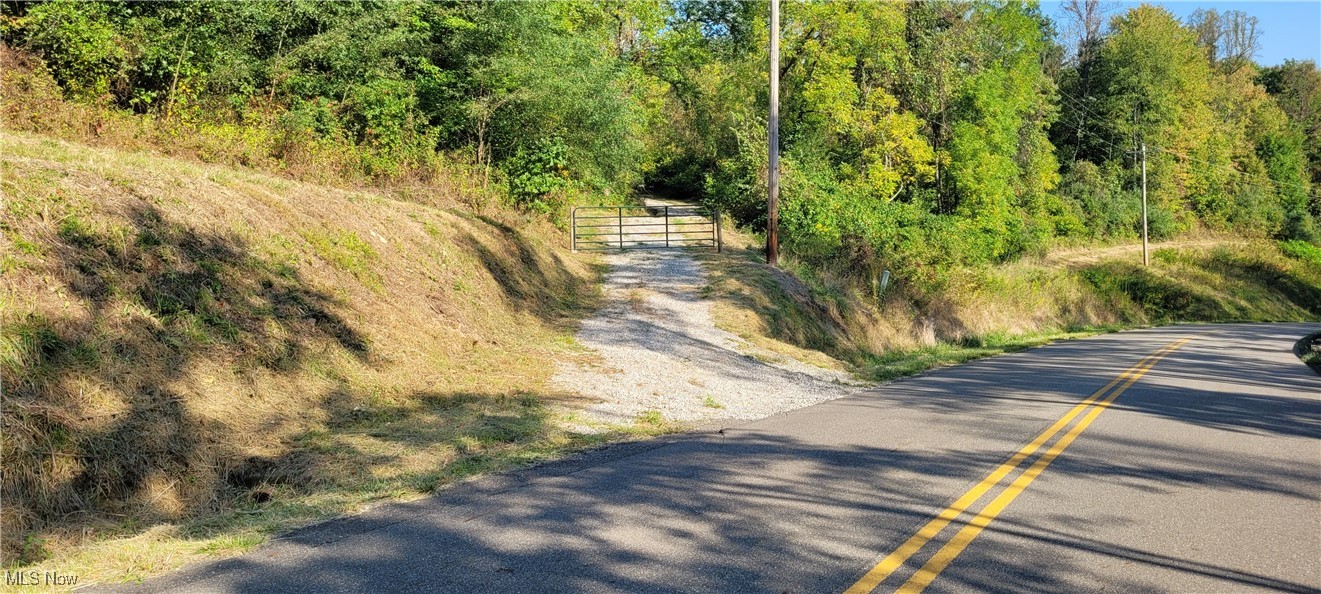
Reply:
x=79, y=43
x=534, y=174
x=1257, y=212
x=1303, y=251
x=1107, y=210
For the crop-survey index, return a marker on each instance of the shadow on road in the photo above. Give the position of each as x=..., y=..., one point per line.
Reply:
x=760, y=510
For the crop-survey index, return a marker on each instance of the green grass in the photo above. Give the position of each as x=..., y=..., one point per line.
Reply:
x=1301, y=250
x=905, y=362
x=1309, y=350
x=29, y=346
x=650, y=418
x=817, y=314
x=25, y=246
x=1220, y=285
x=346, y=251
x=233, y=543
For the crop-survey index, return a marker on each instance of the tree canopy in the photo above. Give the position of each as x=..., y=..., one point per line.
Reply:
x=915, y=135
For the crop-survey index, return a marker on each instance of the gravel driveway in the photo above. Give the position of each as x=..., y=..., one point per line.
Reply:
x=660, y=351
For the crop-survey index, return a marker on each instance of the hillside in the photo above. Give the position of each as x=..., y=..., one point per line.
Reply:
x=196, y=355
x=976, y=311
x=264, y=263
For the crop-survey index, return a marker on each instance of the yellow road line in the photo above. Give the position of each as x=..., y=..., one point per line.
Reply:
x=947, y=553
x=896, y=559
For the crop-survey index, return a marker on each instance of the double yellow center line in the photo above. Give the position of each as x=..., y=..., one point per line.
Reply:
x=1093, y=406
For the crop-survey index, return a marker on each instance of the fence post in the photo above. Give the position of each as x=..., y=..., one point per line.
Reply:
x=667, y=225
x=620, y=220
x=720, y=240
x=573, y=231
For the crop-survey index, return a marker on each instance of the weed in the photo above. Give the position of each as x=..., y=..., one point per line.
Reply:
x=230, y=544
x=76, y=232
x=710, y=402
x=29, y=344
x=1302, y=251
x=1309, y=350
x=8, y=263
x=346, y=251
x=650, y=417
x=34, y=550
x=904, y=362
x=25, y=246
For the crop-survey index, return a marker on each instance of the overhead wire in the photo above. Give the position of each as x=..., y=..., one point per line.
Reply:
x=1249, y=178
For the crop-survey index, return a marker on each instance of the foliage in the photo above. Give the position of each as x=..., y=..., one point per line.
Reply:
x=79, y=43
x=404, y=80
x=536, y=172
x=1296, y=86
x=916, y=137
x=1301, y=250
x=931, y=139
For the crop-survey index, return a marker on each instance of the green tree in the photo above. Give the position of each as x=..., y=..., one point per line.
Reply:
x=1155, y=87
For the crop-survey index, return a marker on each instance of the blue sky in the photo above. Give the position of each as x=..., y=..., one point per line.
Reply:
x=1290, y=30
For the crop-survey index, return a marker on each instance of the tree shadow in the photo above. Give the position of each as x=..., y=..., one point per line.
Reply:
x=782, y=302
x=704, y=513
x=534, y=280
x=159, y=296
x=805, y=502
x=156, y=304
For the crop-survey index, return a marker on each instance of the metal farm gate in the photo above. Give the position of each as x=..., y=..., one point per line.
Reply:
x=601, y=228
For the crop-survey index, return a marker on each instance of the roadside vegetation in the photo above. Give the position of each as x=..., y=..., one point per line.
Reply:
x=1309, y=350
x=196, y=357
x=265, y=262
x=820, y=318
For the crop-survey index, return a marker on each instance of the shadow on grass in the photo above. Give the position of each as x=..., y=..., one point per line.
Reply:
x=531, y=279
x=1218, y=287
x=768, y=507
x=160, y=297
x=783, y=303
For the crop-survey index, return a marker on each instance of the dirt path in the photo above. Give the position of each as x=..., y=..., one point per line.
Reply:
x=660, y=351
x=1091, y=255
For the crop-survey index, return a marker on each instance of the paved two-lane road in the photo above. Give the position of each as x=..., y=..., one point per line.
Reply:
x=1182, y=459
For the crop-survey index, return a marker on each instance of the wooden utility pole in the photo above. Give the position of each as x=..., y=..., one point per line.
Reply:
x=1145, y=260
x=773, y=131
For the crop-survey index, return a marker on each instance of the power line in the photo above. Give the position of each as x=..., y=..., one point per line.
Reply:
x=1254, y=180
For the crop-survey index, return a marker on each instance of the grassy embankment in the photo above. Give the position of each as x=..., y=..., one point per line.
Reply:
x=194, y=357
x=212, y=332
x=822, y=319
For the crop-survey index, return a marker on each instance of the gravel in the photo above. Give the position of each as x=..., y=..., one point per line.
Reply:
x=660, y=351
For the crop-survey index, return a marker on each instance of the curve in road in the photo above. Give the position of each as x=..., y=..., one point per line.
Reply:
x=1181, y=459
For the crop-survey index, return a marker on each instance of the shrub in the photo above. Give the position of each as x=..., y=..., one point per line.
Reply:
x=80, y=44
x=1107, y=210
x=1303, y=251
x=535, y=173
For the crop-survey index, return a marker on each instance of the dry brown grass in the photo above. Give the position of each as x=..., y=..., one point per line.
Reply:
x=33, y=102
x=194, y=356
x=826, y=318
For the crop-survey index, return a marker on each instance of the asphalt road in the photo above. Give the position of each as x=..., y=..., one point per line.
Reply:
x=1201, y=474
